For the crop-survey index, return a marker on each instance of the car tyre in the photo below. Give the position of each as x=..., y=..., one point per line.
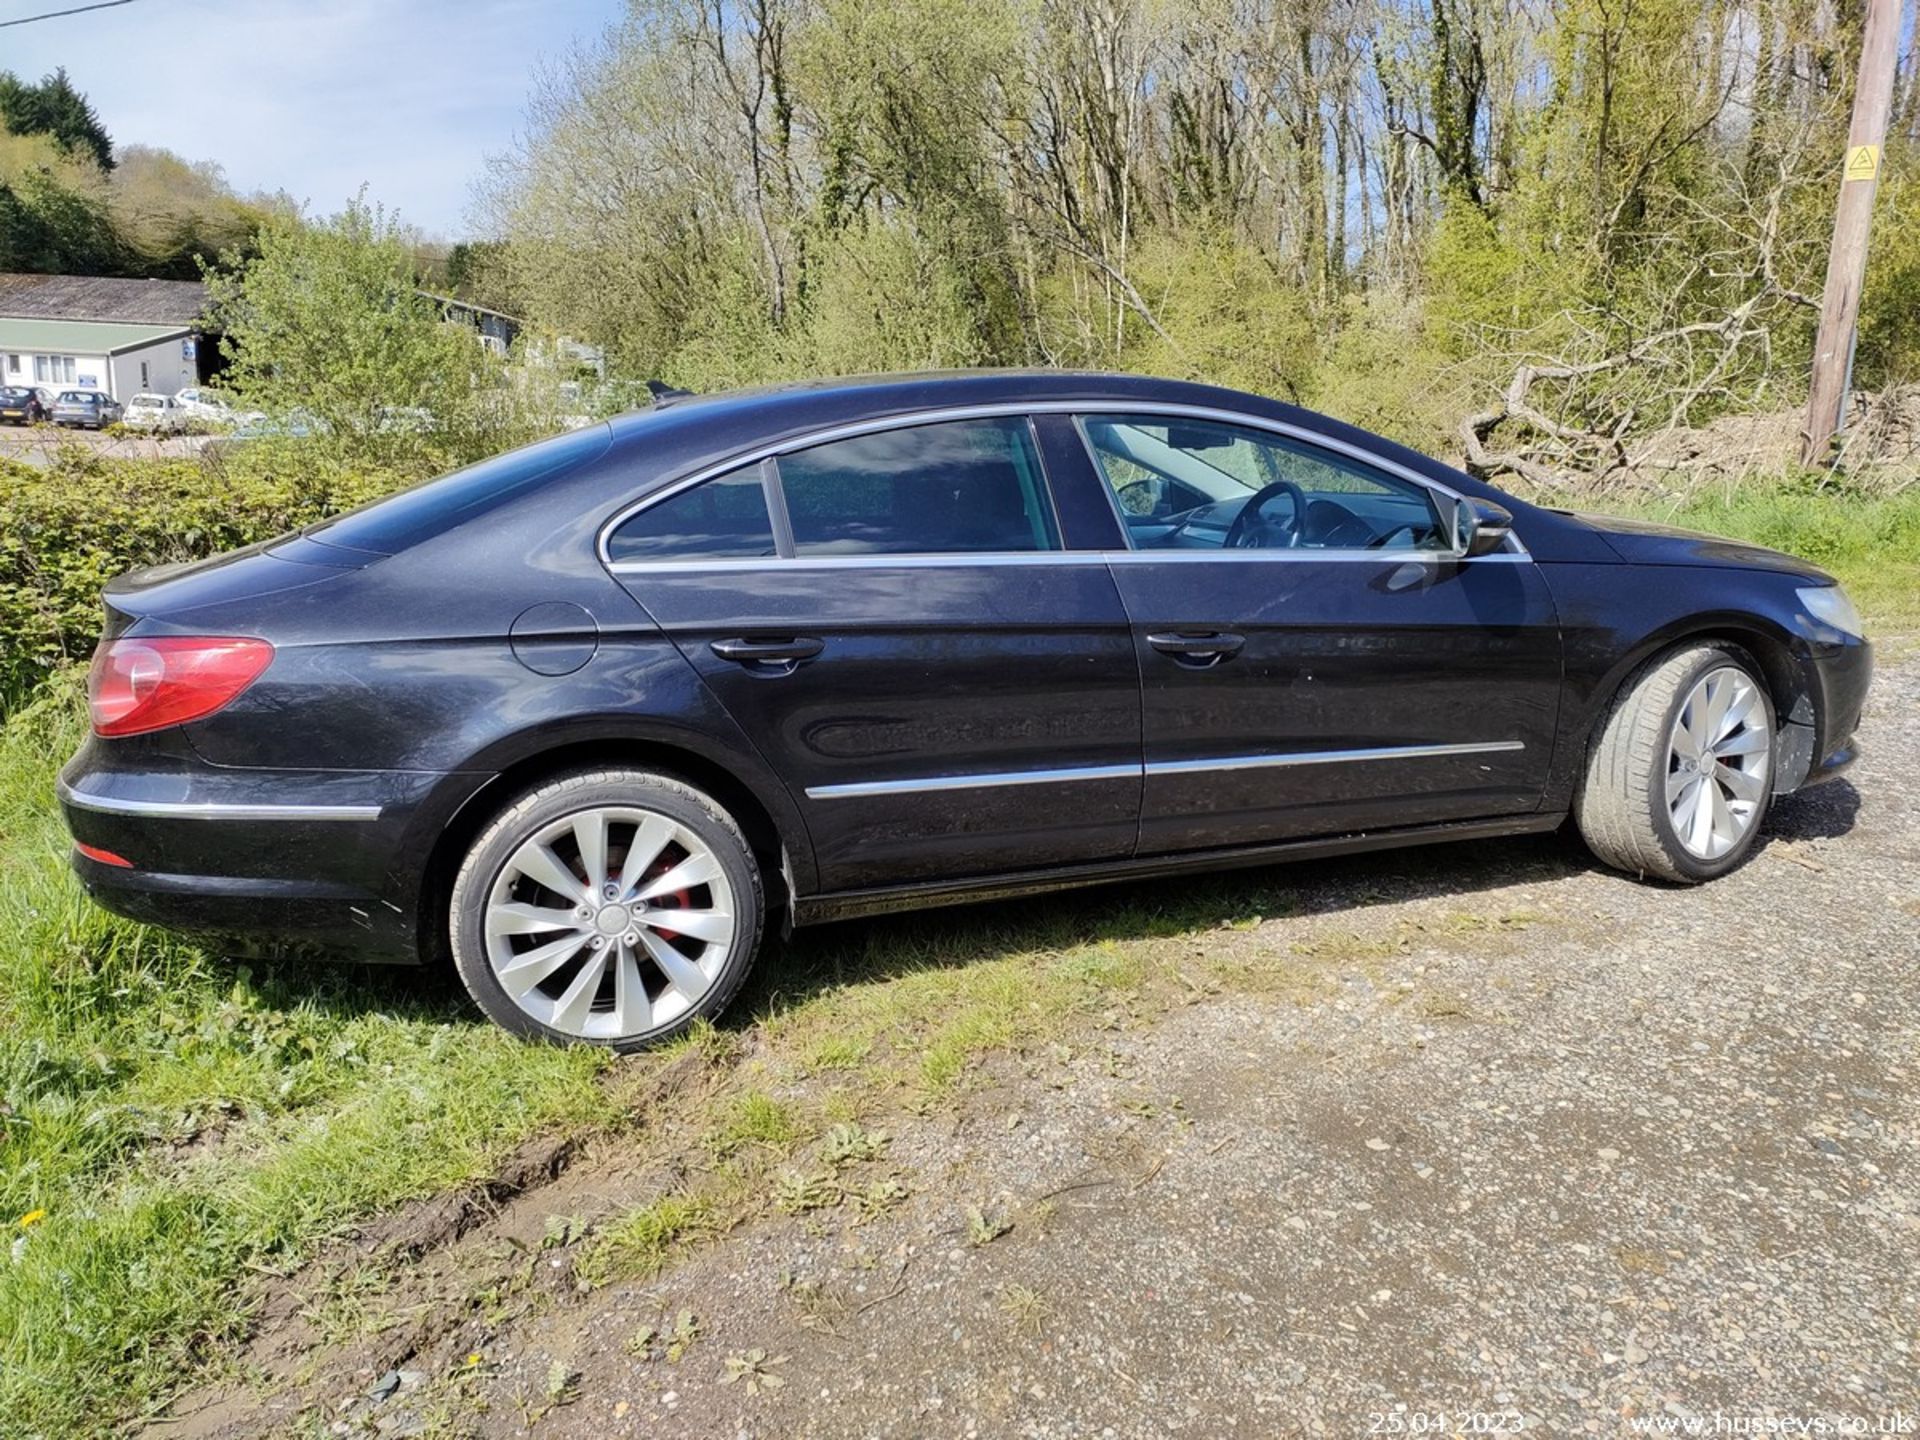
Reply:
x=1681, y=772
x=615, y=854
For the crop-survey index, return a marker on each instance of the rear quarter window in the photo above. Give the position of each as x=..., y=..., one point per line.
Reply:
x=725, y=518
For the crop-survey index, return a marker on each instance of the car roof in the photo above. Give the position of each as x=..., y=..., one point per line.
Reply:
x=569, y=475
x=884, y=394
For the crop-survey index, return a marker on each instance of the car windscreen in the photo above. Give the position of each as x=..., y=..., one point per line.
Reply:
x=388, y=526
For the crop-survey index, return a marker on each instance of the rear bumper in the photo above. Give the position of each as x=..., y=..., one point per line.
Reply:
x=250, y=916
x=303, y=863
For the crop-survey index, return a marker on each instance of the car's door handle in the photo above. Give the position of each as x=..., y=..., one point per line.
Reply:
x=1207, y=648
x=757, y=652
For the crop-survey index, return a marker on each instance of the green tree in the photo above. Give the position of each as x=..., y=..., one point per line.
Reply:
x=54, y=107
x=170, y=213
x=327, y=321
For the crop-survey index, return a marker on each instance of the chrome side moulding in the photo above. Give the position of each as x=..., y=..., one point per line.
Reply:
x=1330, y=757
x=1065, y=774
x=859, y=788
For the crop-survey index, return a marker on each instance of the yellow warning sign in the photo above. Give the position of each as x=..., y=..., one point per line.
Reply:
x=1863, y=162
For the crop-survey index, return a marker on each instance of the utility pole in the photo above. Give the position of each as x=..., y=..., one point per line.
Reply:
x=1852, y=217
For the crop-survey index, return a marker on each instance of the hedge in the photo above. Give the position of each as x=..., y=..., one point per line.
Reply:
x=70, y=527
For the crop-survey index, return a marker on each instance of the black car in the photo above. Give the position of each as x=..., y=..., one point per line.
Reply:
x=593, y=715
x=24, y=405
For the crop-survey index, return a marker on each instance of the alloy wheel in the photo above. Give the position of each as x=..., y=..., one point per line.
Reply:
x=610, y=923
x=1718, y=754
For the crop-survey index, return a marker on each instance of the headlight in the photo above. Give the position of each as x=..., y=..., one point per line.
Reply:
x=1829, y=605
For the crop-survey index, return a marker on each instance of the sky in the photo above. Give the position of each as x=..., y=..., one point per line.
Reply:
x=314, y=97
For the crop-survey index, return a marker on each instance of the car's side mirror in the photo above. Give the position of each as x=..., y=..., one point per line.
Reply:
x=1481, y=527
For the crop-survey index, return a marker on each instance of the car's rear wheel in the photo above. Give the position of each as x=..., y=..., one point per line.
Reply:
x=614, y=907
x=1680, y=775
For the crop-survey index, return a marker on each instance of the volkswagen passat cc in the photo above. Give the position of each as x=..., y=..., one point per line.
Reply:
x=592, y=716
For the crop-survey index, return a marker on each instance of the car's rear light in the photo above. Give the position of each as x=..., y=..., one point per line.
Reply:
x=137, y=685
x=103, y=857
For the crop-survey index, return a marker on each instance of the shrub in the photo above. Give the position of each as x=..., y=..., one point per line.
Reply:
x=69, y=528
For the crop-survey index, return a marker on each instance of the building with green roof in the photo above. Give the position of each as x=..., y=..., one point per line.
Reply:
x=90, y=332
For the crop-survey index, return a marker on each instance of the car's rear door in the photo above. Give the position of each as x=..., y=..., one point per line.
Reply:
x=891, y=614
x=1345, y=673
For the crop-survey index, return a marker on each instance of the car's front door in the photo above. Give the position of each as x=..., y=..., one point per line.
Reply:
x=1315, y=658
x=893, y=619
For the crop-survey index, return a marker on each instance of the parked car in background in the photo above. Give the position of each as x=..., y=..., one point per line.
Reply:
x=25, y=405
x=204, y=404
x=153, y=412
x=295, y=424
x=209, y=408
x=86, y=409
x=594, y=716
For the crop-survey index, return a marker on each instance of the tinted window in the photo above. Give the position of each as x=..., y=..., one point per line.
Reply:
x=396, y=522
x=1197, y=484
x=960, y=486
x=720, y=518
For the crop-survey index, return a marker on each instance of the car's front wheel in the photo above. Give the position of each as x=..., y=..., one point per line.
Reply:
x=1680, y=774
x=609, y=906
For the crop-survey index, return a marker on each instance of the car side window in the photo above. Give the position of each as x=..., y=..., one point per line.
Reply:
x=1184, y=484
x=722, y=518
x=950, y=487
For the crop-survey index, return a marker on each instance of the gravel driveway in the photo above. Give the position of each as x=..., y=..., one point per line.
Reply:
x=1538, y=1146
x=1605, y=1150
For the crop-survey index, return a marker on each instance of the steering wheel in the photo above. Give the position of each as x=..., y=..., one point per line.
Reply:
x=1253, y=531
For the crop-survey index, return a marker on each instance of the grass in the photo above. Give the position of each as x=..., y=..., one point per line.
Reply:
x=180, y=1123
x=172, y=1125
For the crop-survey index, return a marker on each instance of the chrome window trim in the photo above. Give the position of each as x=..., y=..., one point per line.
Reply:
x=861, y=562
x=861, y=789
x=212, y=810
x=830, y=433
x=978, y=558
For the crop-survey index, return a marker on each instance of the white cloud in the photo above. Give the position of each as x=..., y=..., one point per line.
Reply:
x=317, y=97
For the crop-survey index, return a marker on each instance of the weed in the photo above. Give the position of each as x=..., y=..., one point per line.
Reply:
x=756, y=1369
x=796, y=1194
x=838, y=1052
x=755, y=1119
x=878, y=1197
x=983, y=1228
x=686, y=1330
x=1024, y=1308
x=848, y=1144
x=639, y=1243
